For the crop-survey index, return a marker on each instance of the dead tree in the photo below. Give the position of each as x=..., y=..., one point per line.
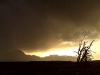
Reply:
x=84, y=52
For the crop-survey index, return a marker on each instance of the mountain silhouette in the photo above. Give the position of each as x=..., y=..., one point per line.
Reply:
x=18, y=55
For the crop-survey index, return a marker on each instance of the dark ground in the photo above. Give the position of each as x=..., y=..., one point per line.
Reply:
x=49, y=68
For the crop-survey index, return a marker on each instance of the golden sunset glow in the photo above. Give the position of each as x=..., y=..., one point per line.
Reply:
x=60, y=52
x=69, y=51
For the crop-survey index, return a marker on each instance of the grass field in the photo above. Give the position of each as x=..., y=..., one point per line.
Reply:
x=49, y=68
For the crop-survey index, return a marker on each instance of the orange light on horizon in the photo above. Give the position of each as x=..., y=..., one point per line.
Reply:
x=56, y=51
x=68, y=51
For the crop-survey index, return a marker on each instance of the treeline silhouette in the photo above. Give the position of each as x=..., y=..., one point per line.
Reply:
x=18, y=55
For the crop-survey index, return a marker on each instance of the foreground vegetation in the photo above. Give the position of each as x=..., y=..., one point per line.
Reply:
x=49, y=68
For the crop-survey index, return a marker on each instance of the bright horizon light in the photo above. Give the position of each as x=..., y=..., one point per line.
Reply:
x=67, y=51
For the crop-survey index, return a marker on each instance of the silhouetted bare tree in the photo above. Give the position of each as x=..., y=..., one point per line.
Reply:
x=84, y=52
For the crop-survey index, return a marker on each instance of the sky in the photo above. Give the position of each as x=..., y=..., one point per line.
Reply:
x=44, y=27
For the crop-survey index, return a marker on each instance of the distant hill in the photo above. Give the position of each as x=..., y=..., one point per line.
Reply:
x=18, y=55
x=59, y=58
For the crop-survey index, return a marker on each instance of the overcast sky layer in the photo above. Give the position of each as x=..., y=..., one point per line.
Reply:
x=33, y=25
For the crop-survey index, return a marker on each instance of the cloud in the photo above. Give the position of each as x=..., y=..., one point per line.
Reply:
x=39, y=25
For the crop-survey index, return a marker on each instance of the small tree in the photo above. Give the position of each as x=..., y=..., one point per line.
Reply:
x=84, y=52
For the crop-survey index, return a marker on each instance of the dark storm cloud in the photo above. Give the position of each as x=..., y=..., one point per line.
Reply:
x=33, y=25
